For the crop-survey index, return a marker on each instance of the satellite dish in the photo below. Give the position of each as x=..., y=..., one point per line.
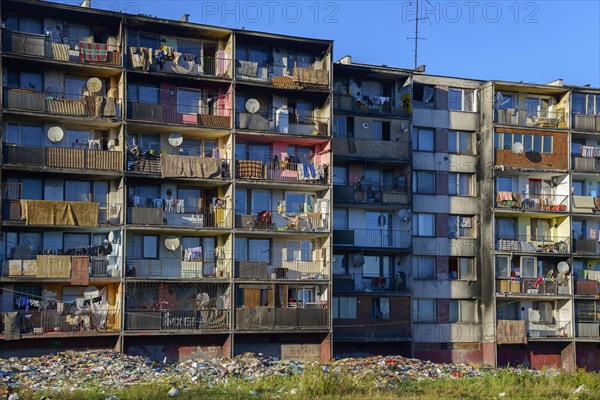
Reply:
x=500, y=98
x=111, y=236
x=365, y=125
x=252, y=105
x=175, y=139
x=403, y=215
x=94, y=85
x=358, y=260
x=534, y=315
x=563, y=267
x=56, y=134
x=172, y=243
x=517, y=148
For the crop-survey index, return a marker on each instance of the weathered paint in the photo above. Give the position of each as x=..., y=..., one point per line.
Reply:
x=588, y=356
x=451, y=356
x=175, y=352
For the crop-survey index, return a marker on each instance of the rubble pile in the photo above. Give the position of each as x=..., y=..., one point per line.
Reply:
x=104, y=369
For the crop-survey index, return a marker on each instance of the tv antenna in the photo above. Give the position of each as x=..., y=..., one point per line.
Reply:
x=416, y=37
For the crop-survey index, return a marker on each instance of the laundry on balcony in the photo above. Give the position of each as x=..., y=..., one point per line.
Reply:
x=247, y=68
x=509, y=199
x=310, y=172
x=173, y=166
x=141, y=57
x=585, y=151
x=250, y=169
x=93, y=52
x=65, y=213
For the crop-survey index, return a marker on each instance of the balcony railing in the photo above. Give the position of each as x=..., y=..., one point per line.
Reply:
x=392, y=151
x=555, y=329
x=586, y=246
x=279, y=121
x=176, y=166
x=173, y=213
x=534, y=286
x=532, y=202
x=535, y=244
x=282, y=171
x=63, y=213
x=586, y=122
x=373, y=238
x=282, y=76
x=71, y=104
x=60, y=266
x=178, y=63
x=585, y=164
x=282, y=269
x=369, y=283
x=372, y=191
x=538, y=118
x=186, y=269
x=587, y=287
x=180, y=114
x=29, y=44
x=369, y=104
x=177, y=320
x=64, y=157
x=263, y=318
x=71, y=323
x=280, y=220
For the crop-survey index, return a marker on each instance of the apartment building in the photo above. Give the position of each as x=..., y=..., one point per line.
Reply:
x=166, y=186
x=371, y=237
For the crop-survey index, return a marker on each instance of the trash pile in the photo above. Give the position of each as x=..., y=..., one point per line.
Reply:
x=105, y=369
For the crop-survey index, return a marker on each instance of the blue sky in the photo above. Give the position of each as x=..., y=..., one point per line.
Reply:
x=530, y=41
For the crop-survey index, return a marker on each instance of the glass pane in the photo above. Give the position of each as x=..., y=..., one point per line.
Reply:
x=192, y=199
x=453, y=226
x=452, y=142
x=240, y=202
x=76, y=240
x=31, y=189
x=31, y=80
x=150, y=143
x=548, y=144
x=452, y=183
x=188, y=101
x=31, y=135
x=150, y=246
x=455, y=99
x=502, y=267
x=578, y=103
x=467, y=311
x=148, y=94
x=294, y=202
x=259, y=250
x=190, y=147
x=77, y=191
x=261, y=201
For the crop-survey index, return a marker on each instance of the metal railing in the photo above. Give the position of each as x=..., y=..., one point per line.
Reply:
x=372, y=192
x=180, y=114
x=582, y=246
x=535, y=244
x=585, y=164
x=533, y=202
x=64, y=157
x=282, y=220
x=281, y=75
x=282, y=269
x=186, y=269
x=182, y=65
x=180, y=166
x=177, y=320
x=282, y=171
x=74, y=51
x=176, y=214
x=555, y=329
x=282, y=122
x=586, y=122
x=374, y=238
x=369, y=104
x=71, y=323
x=261, y=318
x=370, y=283
x=72, y=104
x=525, y=117
x=534, y=286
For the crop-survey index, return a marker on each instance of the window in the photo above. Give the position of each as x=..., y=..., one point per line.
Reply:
x=380, y=309
x=25, y=135
x=343, y=126
x=77, y=138
x=299, y=202
x=423, y=139
x=423, y=93
x=586, y=103
x=504, y=184
x=461, y=226
x=537, y=106
x=28, y=292
x=424, y=224
x=189, y=101
x=76, y=240
x=301, y=250
x=24, y=246
x=528, y=267
x=424, y=311
x=540, y=229
x=506, y=228
x=462, y=311
x=376, y=266
x=261, y=201
x=537, y=143
x=253, y=250
x=340, y=175
x=75, y=86
x=424, y=182
x=143, y=93
x=343, y=308
x=503, y=267
x=462, y=268
x=424, y=267
x=460, y=184
x=31, y=80
x=460, y=142
x=504, y=101
x=461, y=99
x=149, y=246
x=340, y=218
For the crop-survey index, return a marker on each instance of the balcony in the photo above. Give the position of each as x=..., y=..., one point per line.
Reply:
x=534, y=286
x=532, y=202
x=280, y=221
x=279, y=121
x=176, y=166
x=282, y=269
x=281, y=171
x=519, y=331
x=52, y=324
x=33, y=45
x=535, y=244
x=379, y=105
x=62, y=213
x=531, y=118
x=175, y=214
x=586, y=205
x=586, y=122
x=177, y=320
x=180, y=114
x=389, y=151
x=63, y=266
x=585, y=164
x=372, y=238
x=63, y=103
x=282, y=76
x=176, y=269
x=372, y=191
x=359, y=282
x=64, y=158
x=311, y=316
x=178, y=64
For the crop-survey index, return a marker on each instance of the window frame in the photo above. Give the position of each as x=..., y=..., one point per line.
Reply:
x=418, y=144
x=416, y=227
x=416, y=179
x=420, y=267
x=461, y=233
x=349, y=311
x=457, y=187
